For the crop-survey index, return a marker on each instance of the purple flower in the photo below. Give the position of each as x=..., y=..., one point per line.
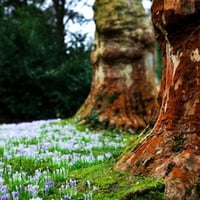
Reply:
x=3, y=189
x=49, y=185
x=72, y=182
x=33, y=189
x=4, y=197
x=67, y=197
x=15, y=195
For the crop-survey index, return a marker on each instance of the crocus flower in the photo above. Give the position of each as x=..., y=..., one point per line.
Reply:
x=67, y=197
x=49, y=185
x=3, y=189
x=33, y=190
x=5, y=197
x=15, y=195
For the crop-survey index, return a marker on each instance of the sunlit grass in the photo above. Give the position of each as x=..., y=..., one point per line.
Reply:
x=60, y=160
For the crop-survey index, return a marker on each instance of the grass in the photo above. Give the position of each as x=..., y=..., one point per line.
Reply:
x=57, y=159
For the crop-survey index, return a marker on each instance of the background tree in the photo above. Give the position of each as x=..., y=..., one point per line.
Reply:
x=121, y=95
x=37, y=80
x=63, y=12
x=171, y=150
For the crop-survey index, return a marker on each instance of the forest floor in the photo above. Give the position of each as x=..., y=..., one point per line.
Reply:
x=59, y=160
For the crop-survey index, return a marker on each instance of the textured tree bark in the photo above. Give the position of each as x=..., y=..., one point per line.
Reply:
x=121, y=96
x=172, y=149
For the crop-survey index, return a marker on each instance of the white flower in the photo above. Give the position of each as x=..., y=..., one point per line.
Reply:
x=37, y=198
x=1, y=181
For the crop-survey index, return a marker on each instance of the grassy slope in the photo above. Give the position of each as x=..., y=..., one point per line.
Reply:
x=116, y=185
x=110, y=184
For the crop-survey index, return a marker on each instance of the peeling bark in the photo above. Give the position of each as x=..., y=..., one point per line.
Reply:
x=172, y=149
x=121, y=94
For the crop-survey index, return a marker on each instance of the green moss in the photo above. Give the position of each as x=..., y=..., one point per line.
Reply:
x=111, y=184
x=135, y=141
x=123, y=13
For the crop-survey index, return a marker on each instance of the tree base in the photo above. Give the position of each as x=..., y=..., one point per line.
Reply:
x=176, y=159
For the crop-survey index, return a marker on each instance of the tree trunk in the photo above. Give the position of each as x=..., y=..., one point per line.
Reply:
x=172, y=150
x=121, y=96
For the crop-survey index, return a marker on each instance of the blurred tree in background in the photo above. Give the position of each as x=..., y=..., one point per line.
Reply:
x=41, y=76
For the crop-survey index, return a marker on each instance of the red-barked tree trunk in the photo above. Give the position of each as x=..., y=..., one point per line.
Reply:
x=172, y=149
x=122, y=93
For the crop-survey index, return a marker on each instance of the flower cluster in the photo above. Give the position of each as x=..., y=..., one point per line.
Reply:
x=37, y=156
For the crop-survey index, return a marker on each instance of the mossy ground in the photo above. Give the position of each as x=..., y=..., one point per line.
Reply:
x=111, y=184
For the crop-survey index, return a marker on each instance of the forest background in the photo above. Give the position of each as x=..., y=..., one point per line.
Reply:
x=45, y=69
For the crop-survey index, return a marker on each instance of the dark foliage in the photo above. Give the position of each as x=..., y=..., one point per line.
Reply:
x=37, y=81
